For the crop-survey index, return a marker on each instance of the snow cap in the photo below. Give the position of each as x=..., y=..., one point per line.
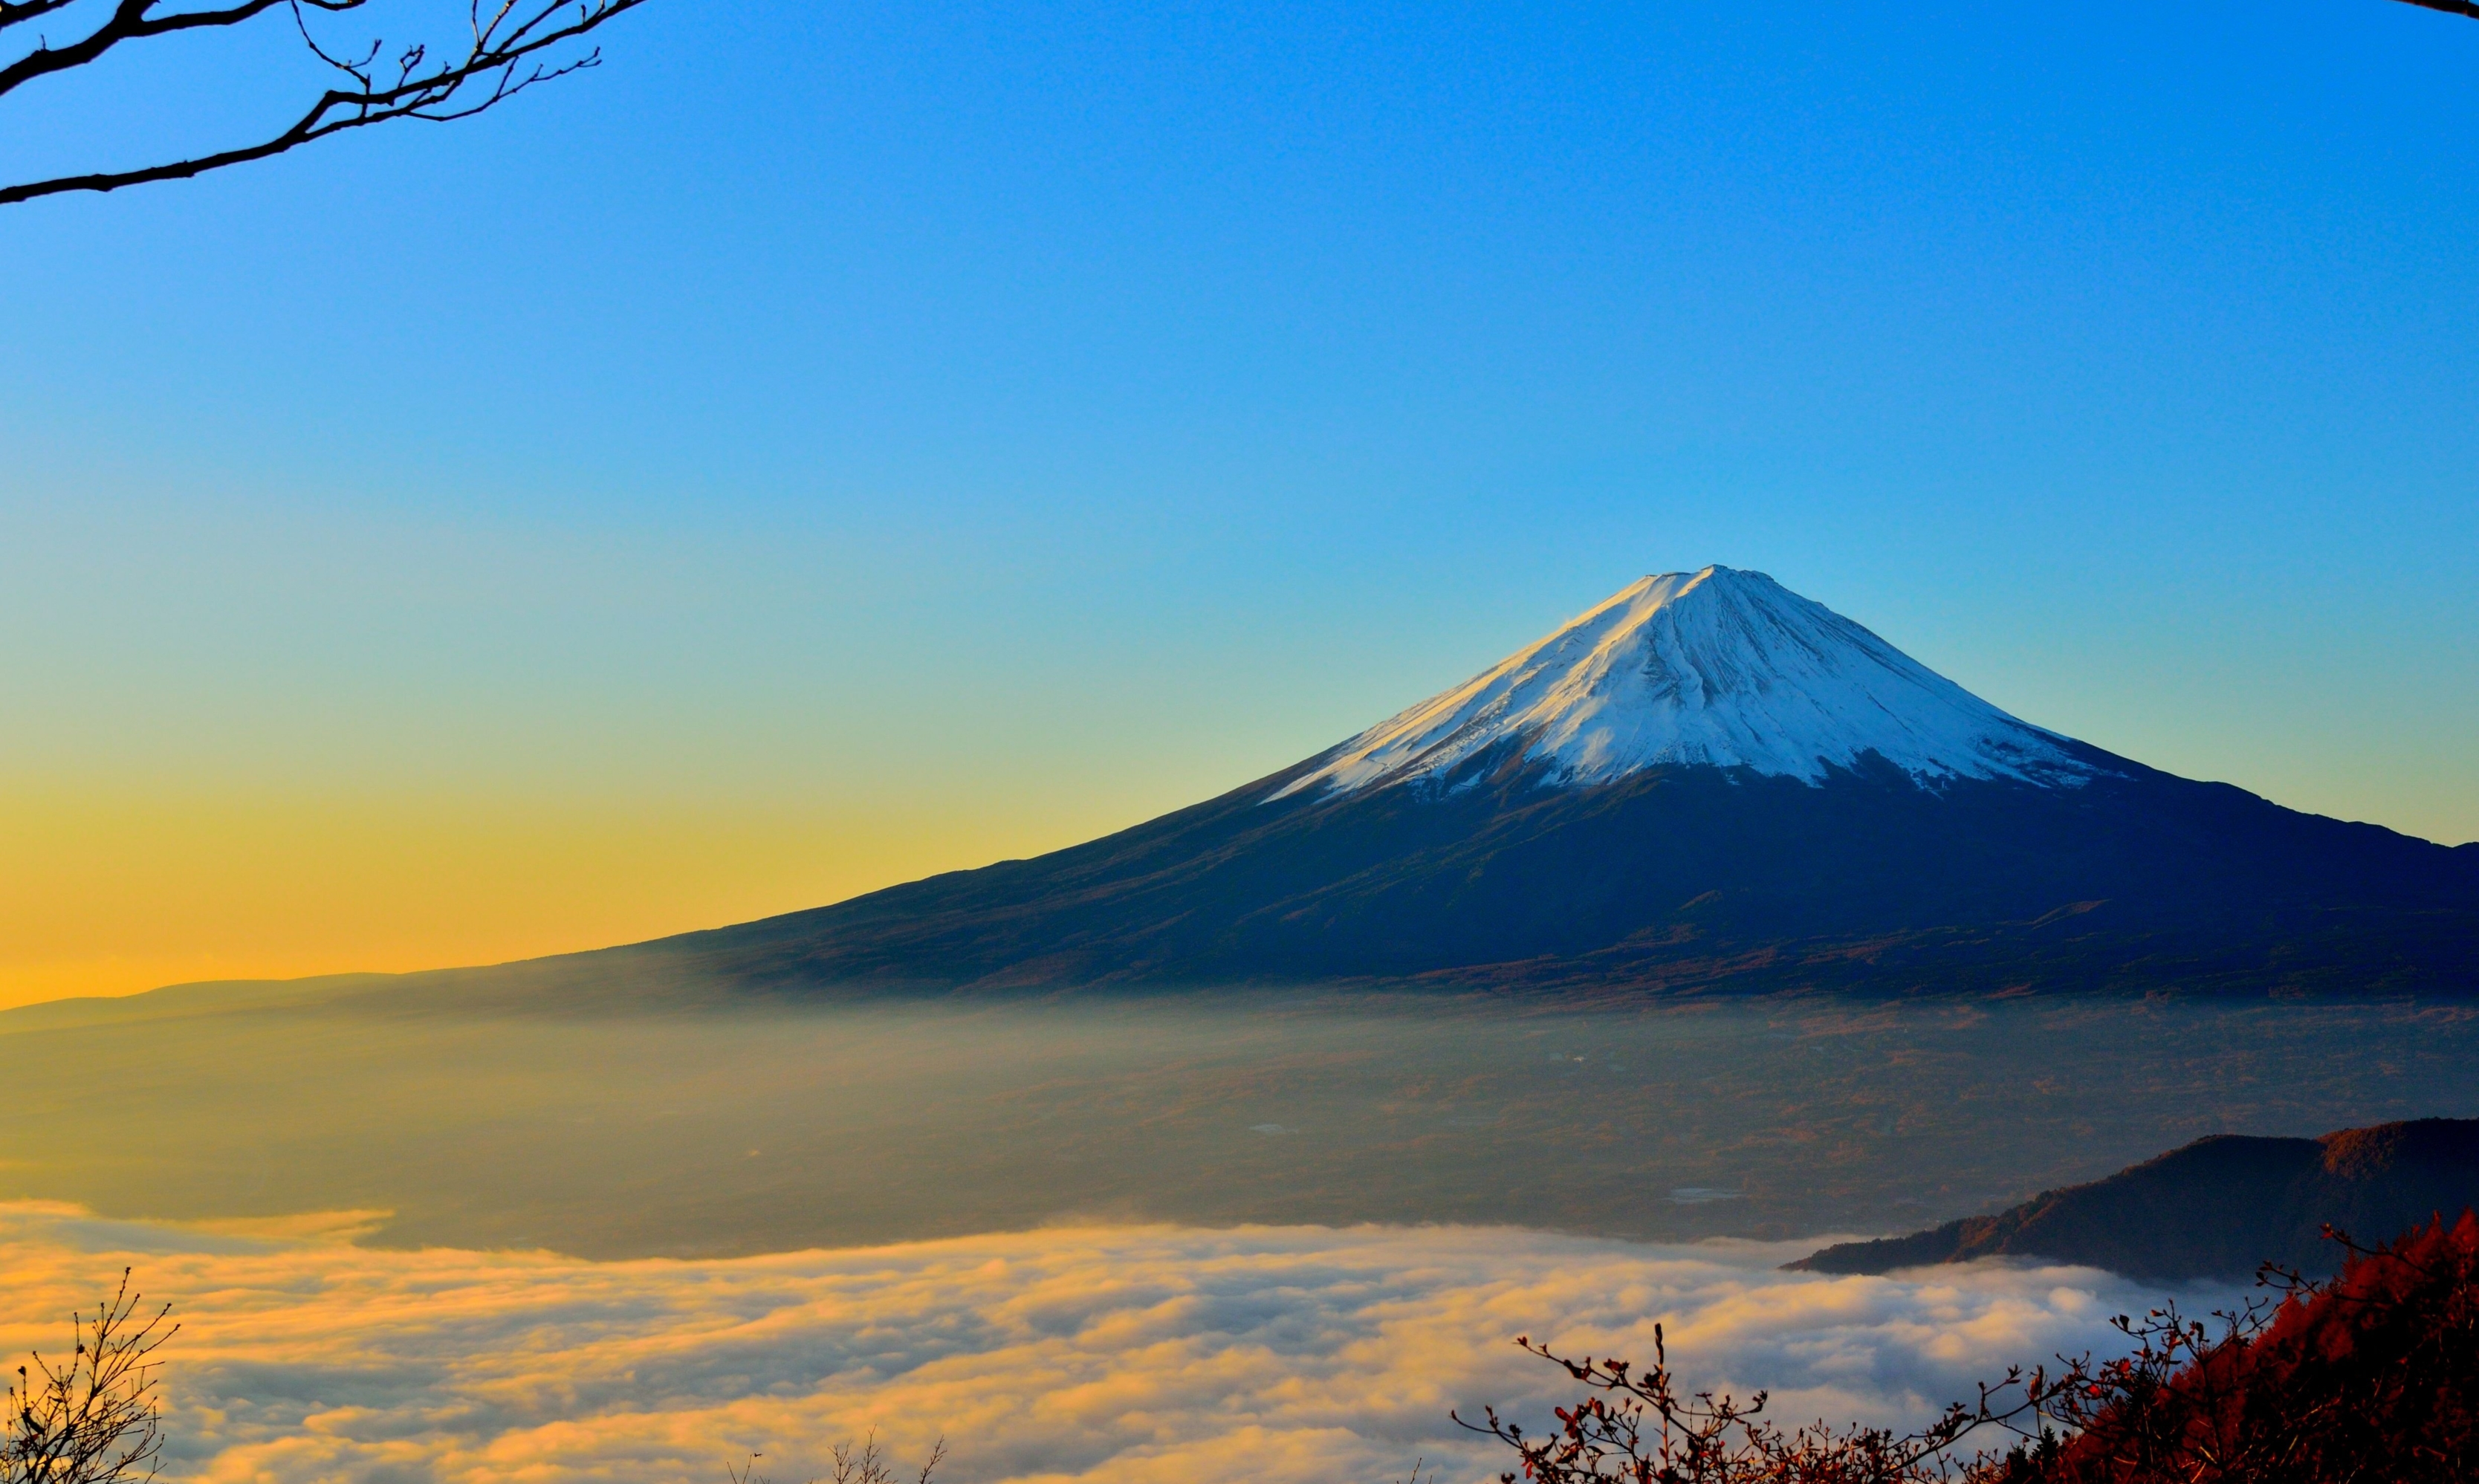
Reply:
x=1718, y=667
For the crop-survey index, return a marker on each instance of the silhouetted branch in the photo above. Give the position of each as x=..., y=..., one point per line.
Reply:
x=866, y=1464
x=130, y=21
x=91, y=1419
x=1638, y=1429
x=505, y=55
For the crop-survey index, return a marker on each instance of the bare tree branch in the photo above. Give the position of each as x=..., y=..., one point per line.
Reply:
x=504, y=56
x=130, y=21
x=91, y=1419
x=16, y=12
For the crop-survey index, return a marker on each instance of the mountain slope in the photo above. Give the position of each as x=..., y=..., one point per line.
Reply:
x=1704, y=781
x=2216, y=1207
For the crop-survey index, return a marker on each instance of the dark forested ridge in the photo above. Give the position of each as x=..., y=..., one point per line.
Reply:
x=2216, y=1207
x=1677, y=877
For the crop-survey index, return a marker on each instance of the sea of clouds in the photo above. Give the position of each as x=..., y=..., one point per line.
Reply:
x=1122, y=1354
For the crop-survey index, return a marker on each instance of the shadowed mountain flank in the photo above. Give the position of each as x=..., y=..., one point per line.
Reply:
x=1674, y=877
x=2216, y=1207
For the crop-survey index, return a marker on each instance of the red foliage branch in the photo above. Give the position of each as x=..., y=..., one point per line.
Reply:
x=2371, y=1378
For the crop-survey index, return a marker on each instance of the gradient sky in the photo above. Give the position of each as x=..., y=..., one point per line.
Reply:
x=832, y=443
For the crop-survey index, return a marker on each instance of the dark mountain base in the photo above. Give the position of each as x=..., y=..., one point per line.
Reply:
x=1674, y=878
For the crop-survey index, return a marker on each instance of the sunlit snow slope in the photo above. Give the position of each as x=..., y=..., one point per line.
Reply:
x=1716, y=667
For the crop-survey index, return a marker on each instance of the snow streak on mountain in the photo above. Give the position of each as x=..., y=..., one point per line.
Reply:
x=1716, y=667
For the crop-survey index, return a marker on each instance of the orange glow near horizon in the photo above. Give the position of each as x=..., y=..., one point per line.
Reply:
x=188, y=887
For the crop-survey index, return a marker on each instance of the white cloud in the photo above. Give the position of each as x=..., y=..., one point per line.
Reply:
x=1121, y=1354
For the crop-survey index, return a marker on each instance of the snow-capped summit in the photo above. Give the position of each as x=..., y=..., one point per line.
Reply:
x=1718, y=667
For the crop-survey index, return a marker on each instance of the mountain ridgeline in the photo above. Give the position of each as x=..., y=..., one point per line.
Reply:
x=1707, y=782
x=2216, y=1207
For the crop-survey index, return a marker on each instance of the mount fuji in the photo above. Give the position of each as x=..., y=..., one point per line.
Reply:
x=1705, y=781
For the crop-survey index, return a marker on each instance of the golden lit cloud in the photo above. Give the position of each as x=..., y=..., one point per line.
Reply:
x=1120, y=1355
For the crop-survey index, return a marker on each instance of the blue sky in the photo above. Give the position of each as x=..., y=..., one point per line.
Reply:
x=1000, y=423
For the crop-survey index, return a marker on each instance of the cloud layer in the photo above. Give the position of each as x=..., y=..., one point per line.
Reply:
x=1120, y=1355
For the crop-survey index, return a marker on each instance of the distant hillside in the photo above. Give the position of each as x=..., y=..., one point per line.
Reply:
x=2217, y=1207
